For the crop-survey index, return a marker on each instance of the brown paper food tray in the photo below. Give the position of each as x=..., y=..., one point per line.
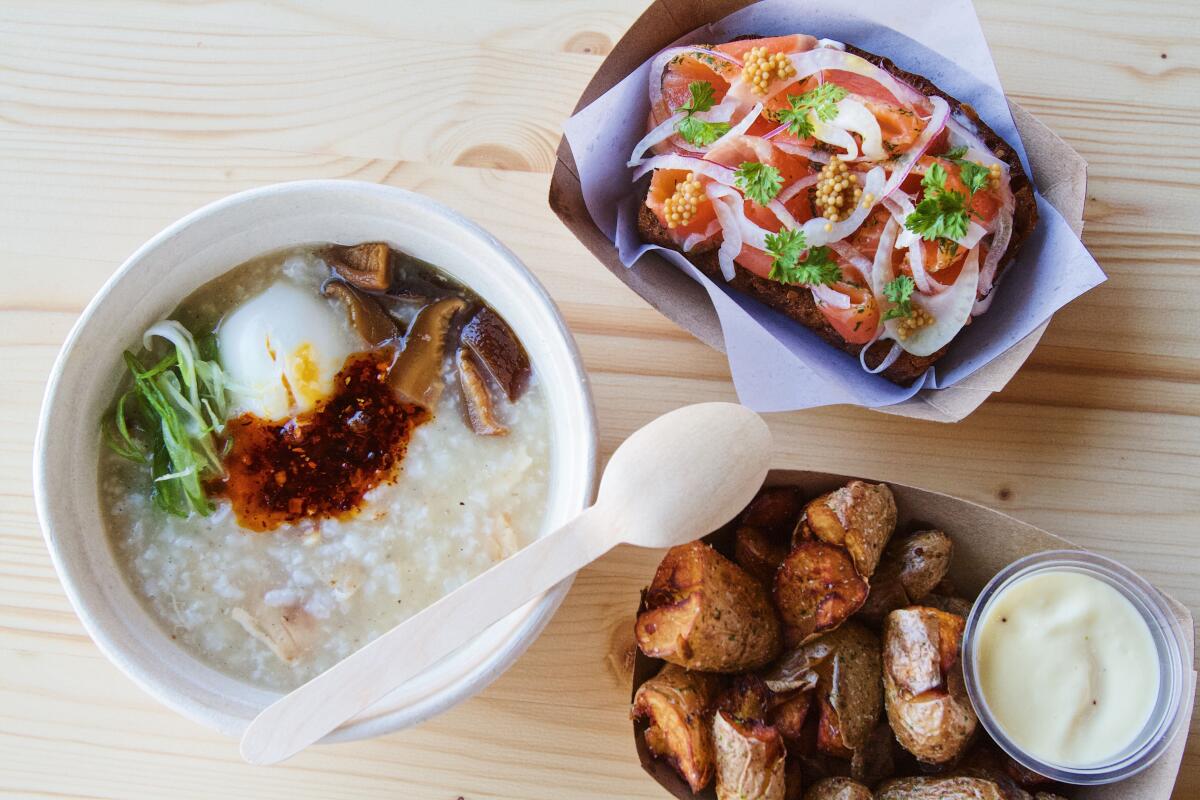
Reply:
x=1059, y=173
x=985, y=541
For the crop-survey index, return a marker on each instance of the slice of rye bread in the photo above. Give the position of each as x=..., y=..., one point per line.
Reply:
x=797, y=301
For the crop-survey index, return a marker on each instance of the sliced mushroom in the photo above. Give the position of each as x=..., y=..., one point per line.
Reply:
x=416, y=376
x=366, y=315
x=366, y=266
x=481, y=410
x=289, y=632
x=497, y=349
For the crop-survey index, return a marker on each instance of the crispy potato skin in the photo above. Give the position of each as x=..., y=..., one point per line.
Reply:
x=838, y=789
x=677, y=703
x=750, y=759
x=788, y=716
x=859, y=516
x=926, y=701
x=704, y=612
x=746, y=698
x=938, y=789
x=817, y=588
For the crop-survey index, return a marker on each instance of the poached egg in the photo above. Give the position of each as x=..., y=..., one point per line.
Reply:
x=281, y=350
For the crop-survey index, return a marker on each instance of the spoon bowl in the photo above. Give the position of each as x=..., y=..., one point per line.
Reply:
x=719, y=455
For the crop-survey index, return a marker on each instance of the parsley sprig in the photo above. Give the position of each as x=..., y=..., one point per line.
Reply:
x=942, y=212
x=759, y=182
x=899, y=292
x=693, y=129
x=821, y=101
x=817, y=266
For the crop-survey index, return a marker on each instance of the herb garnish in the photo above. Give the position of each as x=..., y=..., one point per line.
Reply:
x=821, y=101
x=697, y=131
x=942, y=213
x=817, y=267
x=759, y=182
x=899, y=291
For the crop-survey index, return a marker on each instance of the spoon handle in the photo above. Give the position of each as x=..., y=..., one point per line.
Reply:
x=303, y=716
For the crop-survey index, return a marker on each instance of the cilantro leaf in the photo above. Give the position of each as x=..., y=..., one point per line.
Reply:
x=697, y=131
x=701, y=97
x=942, y=213
x=975, y=176
x=821, y=101
x=955, y=153
x=701, y=133
x=817, y=266
x=785, y=248
x=899, y=291
x=759, y=182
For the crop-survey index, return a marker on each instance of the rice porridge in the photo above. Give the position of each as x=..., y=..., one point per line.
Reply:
x=314, y=507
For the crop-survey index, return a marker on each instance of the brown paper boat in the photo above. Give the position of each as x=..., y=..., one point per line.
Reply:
x=985, y=541
x=1059, y=172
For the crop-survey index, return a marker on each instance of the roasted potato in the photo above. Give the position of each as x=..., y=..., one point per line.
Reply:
x=817, y=588
x=764, y=531
x=750, y=759
x=859, y=517
x=788, y=714
x=678, y=703
x=704, y=612
x=938, y=789
x=747, y=698
x=759, y=552
x=845, y=667
x=837, y=789
x=874, y=760
x=926, y=701
x=910, y=569
x=951, y=604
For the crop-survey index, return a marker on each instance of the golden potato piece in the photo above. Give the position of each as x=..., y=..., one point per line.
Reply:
x=817, y=588
x=677, y=703
x=788, y=715
x=759, y=552
x=924, y=694
x=875, y=760
x=747, y=698
x=775, y=509
x=704, y=612
x=750, y=759
x=924, y=561
x=838, y=789
x=939, y=789
x=859, y=516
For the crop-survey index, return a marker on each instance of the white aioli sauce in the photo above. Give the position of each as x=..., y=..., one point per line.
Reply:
x=1068, y=667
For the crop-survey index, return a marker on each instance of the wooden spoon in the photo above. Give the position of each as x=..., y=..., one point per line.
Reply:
x=680, y=477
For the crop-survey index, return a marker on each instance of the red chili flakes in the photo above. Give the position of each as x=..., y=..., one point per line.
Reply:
x=321, y=463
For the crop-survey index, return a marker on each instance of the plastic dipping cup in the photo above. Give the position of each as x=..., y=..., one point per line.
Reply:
x=1167, y=693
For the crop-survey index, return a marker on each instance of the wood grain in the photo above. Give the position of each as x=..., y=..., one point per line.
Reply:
x=116, y=118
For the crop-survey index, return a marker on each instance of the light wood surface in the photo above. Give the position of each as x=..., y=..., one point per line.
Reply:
x=117, y=118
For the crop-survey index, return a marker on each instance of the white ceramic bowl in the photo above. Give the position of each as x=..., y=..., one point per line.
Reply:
x=148, y=286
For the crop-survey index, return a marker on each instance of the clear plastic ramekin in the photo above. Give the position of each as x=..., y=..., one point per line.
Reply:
x=1174, y=665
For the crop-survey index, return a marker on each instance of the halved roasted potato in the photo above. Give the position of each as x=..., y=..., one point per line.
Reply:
x=775, y=509
x=910, y=569
x=750, y=759
x=859, y=516
x=845, y=667
x=704, y=612
x=926, y=700
x=817, y=588
x=837, y=789
x=678, y=704
x=788, y=714
x=759, y=552
x=938, y=789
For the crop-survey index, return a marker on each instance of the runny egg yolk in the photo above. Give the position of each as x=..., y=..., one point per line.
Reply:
x=281, y=350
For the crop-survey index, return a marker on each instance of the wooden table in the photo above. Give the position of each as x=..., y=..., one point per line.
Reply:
x=117, y=118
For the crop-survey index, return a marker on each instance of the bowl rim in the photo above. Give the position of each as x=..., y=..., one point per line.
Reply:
x=537, y=614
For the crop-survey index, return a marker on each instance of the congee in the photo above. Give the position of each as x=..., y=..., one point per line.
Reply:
x=313, y=447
